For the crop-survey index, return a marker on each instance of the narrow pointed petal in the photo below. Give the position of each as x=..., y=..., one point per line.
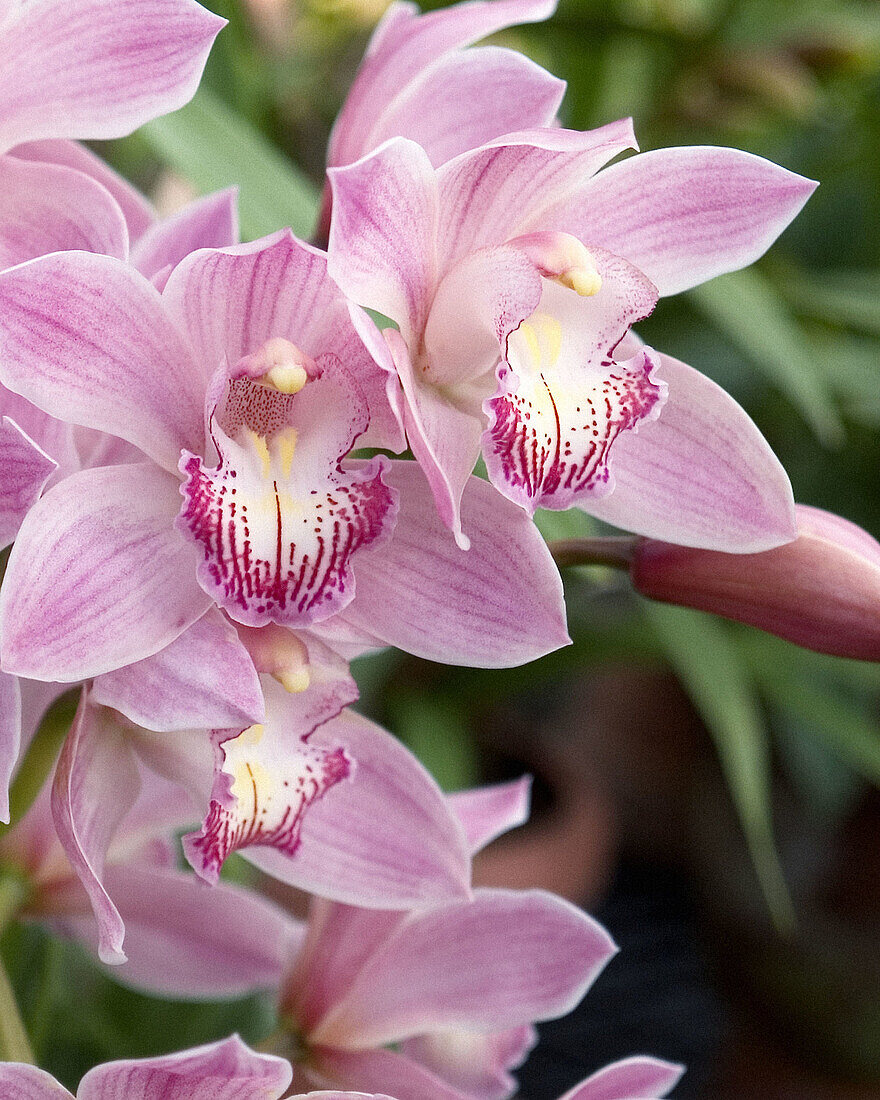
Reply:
x=98, y=577
x=56, y=438
x=209, y=222
x=228, y=1070
x=139, y=214
x=685, y=215
x=10, y=737
x=488, y=812
x=96, y=783
x=56, y=349
x=631, y=1079
x=22, y=1082
x=386, y=839
x=203, y=679
x=24, y=470
x=48, y=208
x=382, y=1071
x=383, y=234
x=477, y=1063
x=498, y=604
x=701, y=475
x=92, y=69
x=504, y=959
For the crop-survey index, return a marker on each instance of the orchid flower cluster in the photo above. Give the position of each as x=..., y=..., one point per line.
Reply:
x=207, y=526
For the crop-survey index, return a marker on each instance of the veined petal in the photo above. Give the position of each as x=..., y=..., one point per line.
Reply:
x=209, y=222
x=10, y=737
x=56, y=438
x=93, y=69
x=98, y=577
x=701, y=475
x=504, y=959
x=96, y=783
x=48, y=208
x=386, y=839
x=477, y=1063
x=228, y=1070
x=22, y=1082
x=487, y=812
x=279, y=521
x=497, y=604
x=384, y=1070
x=86, y=338
x=203, y=679
x=684, y=215
x=24, y=470
x=631, y=1079
x=563, y=400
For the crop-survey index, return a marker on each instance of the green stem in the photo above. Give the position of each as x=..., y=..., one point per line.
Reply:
x=14, y=1043
x=616, y=551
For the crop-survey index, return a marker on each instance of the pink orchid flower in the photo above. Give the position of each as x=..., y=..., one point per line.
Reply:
x=244, y=385
x=227, y=1070
x=514, y=271
x=637, y=1078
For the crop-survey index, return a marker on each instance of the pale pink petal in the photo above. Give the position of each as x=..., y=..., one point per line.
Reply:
x=403, y=46
x=684, y=215
x=10, y=737
x=487, y=812
x=21, y=1082
x=386, y=838
x=496, y=605
x=384, y=231
x=55, y=437
x=209, y=222
x=477, y=1063
x=24, y=470
x=504, y=959
x=139, y=214
x=98, y=69
x=631, y=1079
x=204, y=678
x=98, y=577
x=228, y=1070
x=701, y=475
x=86, y=338
x=96, y=783
x=466, y=98
x=380, y=387
x=505, y=188
x=162, y=808
x=382, y=1071
x=48, y=208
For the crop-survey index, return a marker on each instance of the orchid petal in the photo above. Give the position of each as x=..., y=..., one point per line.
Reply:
x=48, y=208
x=140, y=384
x=23, y=1082
x=96, y=784
x=382, y=1071
x=487, y=812
x=380, y=387
x=10, y=737
x=228, y=1070
x=701, y=475
x=98, y=578
x=92, y=69
x=504, y=959
x=496, y=605
x=209, y=222
x=56, y=438
x=630, y=1079
x=477, y=1063
x=204, y=678
x=25, y=470
x=684, y=215
x=386, y=839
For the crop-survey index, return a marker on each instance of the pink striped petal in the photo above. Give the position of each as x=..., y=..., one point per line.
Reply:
x=203, y=679
x=684, y=215
x=228, y=1070
x=381, y=1071
x=98, y=577
x=631, y=1079
x=86, y=338
x=476, y=1063
x=21, y=1082
x=702, y=475
x=48, y=208
x=496, y=605
x=96, y=783
x=24, y=470
x=403, y=47
x=10, y=737
x=58, y=439
x=209, y=222
x=487, y=812
x=386, y=839
x=504, y=959
x=98, y=68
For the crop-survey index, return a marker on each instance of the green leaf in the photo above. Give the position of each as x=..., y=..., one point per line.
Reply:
x=435, y=729
x=213, y=147
x=712, y=670
x=848, y=298
x=747, y=308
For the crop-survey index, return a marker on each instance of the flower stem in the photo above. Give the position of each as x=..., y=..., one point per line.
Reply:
x=615, y=550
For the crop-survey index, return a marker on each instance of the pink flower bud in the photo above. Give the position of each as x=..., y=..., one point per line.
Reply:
x=821, y=591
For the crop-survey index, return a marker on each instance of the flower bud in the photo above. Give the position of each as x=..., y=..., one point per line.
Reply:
x=821, y=591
